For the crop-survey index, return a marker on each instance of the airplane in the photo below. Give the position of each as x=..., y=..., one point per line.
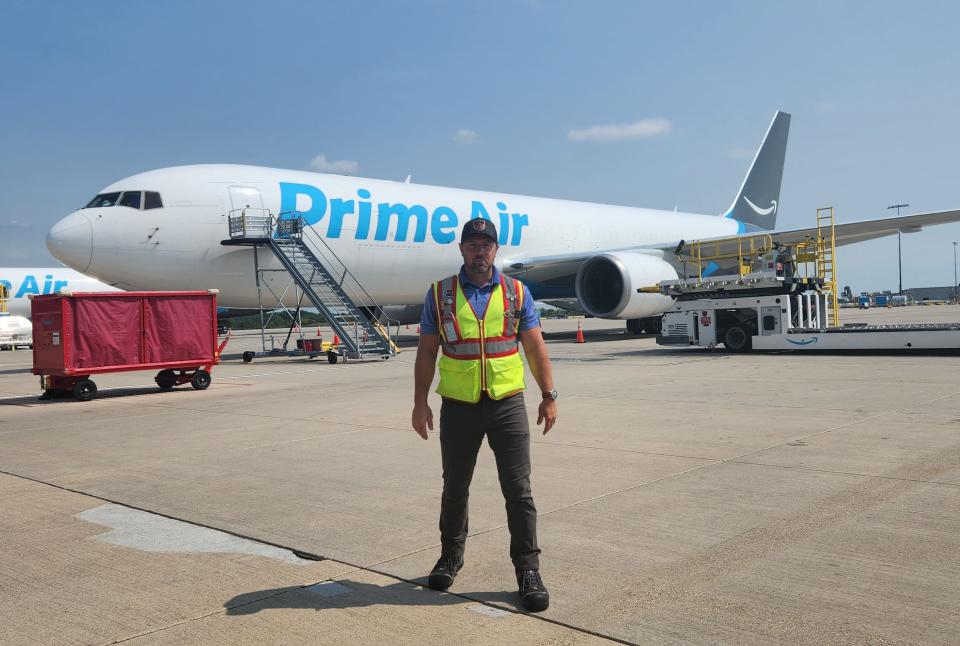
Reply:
x=21, y=282
x=162, y=230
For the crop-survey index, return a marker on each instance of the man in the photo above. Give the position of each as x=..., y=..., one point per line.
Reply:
x=479, y=317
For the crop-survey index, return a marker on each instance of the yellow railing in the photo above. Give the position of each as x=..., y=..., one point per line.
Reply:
x=744, y=249
x=826, y=251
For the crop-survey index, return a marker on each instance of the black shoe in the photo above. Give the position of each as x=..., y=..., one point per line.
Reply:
x=445, y=571
x=532, y=591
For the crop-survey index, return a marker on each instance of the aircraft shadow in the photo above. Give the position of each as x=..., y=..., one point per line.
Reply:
x=356, y=594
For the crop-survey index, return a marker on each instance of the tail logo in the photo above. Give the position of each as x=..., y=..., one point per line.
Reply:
x=758, y=210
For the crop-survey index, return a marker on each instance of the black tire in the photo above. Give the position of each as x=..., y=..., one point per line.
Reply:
x=200, y=380
x=166, y=379
x=85, y=390
x=248, y=356
x=653, y=325
x=737, y=338
x=635, y=326
x=333, y=357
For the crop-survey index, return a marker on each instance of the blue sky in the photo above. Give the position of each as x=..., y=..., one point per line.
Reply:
x=485, y=95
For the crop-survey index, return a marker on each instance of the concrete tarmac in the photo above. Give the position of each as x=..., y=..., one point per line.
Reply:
x=685, y=496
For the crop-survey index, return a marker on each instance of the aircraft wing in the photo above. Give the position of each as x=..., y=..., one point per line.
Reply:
x=561, y=268
x=853, y=232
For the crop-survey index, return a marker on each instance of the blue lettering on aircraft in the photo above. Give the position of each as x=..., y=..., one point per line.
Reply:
x=31, y=285
x=373, y=220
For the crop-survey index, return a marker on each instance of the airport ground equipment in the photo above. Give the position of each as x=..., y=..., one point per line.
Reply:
x=83, y=334
x=15, y=332
x=323, y=279
x=782, y=297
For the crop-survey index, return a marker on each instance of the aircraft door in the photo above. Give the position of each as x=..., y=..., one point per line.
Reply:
x=248, y=198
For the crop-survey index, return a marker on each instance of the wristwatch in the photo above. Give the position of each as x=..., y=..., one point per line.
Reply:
x=550, y=395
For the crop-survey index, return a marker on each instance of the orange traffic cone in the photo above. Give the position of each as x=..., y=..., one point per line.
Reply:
x=418, y=329
x=318, y=331
x=336, y=340
x=580, y=332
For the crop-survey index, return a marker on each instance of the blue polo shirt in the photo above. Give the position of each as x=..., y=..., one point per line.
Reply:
x=479, y=296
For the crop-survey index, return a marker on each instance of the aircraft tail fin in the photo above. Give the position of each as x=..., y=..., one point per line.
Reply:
x=758, y=199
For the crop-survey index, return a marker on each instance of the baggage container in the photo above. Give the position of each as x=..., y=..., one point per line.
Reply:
x=76, y=335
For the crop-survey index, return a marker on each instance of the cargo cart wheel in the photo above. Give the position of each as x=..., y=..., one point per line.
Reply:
x=200, y=380
x=332, y=357
x=248, y=356
x=85, y=390
x=737, y=339
x=166, y=379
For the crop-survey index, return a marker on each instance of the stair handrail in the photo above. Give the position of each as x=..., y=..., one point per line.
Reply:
x=378, y=313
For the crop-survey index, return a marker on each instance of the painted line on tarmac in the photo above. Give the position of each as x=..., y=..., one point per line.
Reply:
x=311, y=557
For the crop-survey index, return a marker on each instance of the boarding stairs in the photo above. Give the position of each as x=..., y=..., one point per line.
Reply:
x=326, y=282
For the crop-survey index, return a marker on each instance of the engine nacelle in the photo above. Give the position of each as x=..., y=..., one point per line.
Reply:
x=607, y=285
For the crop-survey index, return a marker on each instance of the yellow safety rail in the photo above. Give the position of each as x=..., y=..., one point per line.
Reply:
x=826, y=251
x=744, y=249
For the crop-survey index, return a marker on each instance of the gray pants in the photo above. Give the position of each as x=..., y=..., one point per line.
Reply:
x=462, y=427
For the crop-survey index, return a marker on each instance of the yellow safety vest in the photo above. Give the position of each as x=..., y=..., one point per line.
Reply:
x=479, y=352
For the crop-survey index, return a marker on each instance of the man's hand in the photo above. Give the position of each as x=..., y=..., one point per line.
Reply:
x=423, y=419
x=547, y=414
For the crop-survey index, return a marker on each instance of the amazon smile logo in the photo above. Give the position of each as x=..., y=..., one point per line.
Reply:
x=758, y=210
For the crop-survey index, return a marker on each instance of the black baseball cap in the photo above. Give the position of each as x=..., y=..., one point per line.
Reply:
x=479, y=227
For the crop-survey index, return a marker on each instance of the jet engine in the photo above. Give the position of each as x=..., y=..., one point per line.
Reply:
x=607, y=285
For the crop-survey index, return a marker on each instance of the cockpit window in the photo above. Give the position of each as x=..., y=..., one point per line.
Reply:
x=140, y=200
x=152, y=200
x=131, y=199
x=103, y=200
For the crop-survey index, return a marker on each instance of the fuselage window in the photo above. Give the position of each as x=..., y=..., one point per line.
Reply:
x=131, y=199
x=103, y=200
x=152, y=200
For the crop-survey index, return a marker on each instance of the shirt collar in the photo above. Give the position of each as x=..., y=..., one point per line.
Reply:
x=494, y=279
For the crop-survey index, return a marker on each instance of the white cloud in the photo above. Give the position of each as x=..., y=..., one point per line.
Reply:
x=465, y=136
x=643, y=129
x=341, y=167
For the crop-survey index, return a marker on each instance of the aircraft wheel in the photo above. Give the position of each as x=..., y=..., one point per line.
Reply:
x=635, y=326
x=653, y=325
x=737, y=339
x=201, y=379
x=85, y=390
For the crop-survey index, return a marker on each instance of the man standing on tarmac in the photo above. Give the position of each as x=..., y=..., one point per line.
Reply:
x=479, y=317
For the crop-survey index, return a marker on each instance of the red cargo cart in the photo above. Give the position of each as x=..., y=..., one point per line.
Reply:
x=76, y=335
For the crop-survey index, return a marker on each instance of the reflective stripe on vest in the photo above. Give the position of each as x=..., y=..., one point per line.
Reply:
x=480, y=352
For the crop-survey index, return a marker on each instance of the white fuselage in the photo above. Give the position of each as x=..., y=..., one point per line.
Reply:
x=21, y=282
x=395, y=237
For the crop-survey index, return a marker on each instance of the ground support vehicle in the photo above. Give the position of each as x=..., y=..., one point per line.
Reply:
x=782, y=297
x=83, y=334
x=764, y=311
x=15, y=332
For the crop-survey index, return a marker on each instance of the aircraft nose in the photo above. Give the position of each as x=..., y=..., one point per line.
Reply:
x=71, y=241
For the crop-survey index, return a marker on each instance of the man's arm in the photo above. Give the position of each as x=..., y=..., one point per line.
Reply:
x=423, y=372
x=539, y=360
